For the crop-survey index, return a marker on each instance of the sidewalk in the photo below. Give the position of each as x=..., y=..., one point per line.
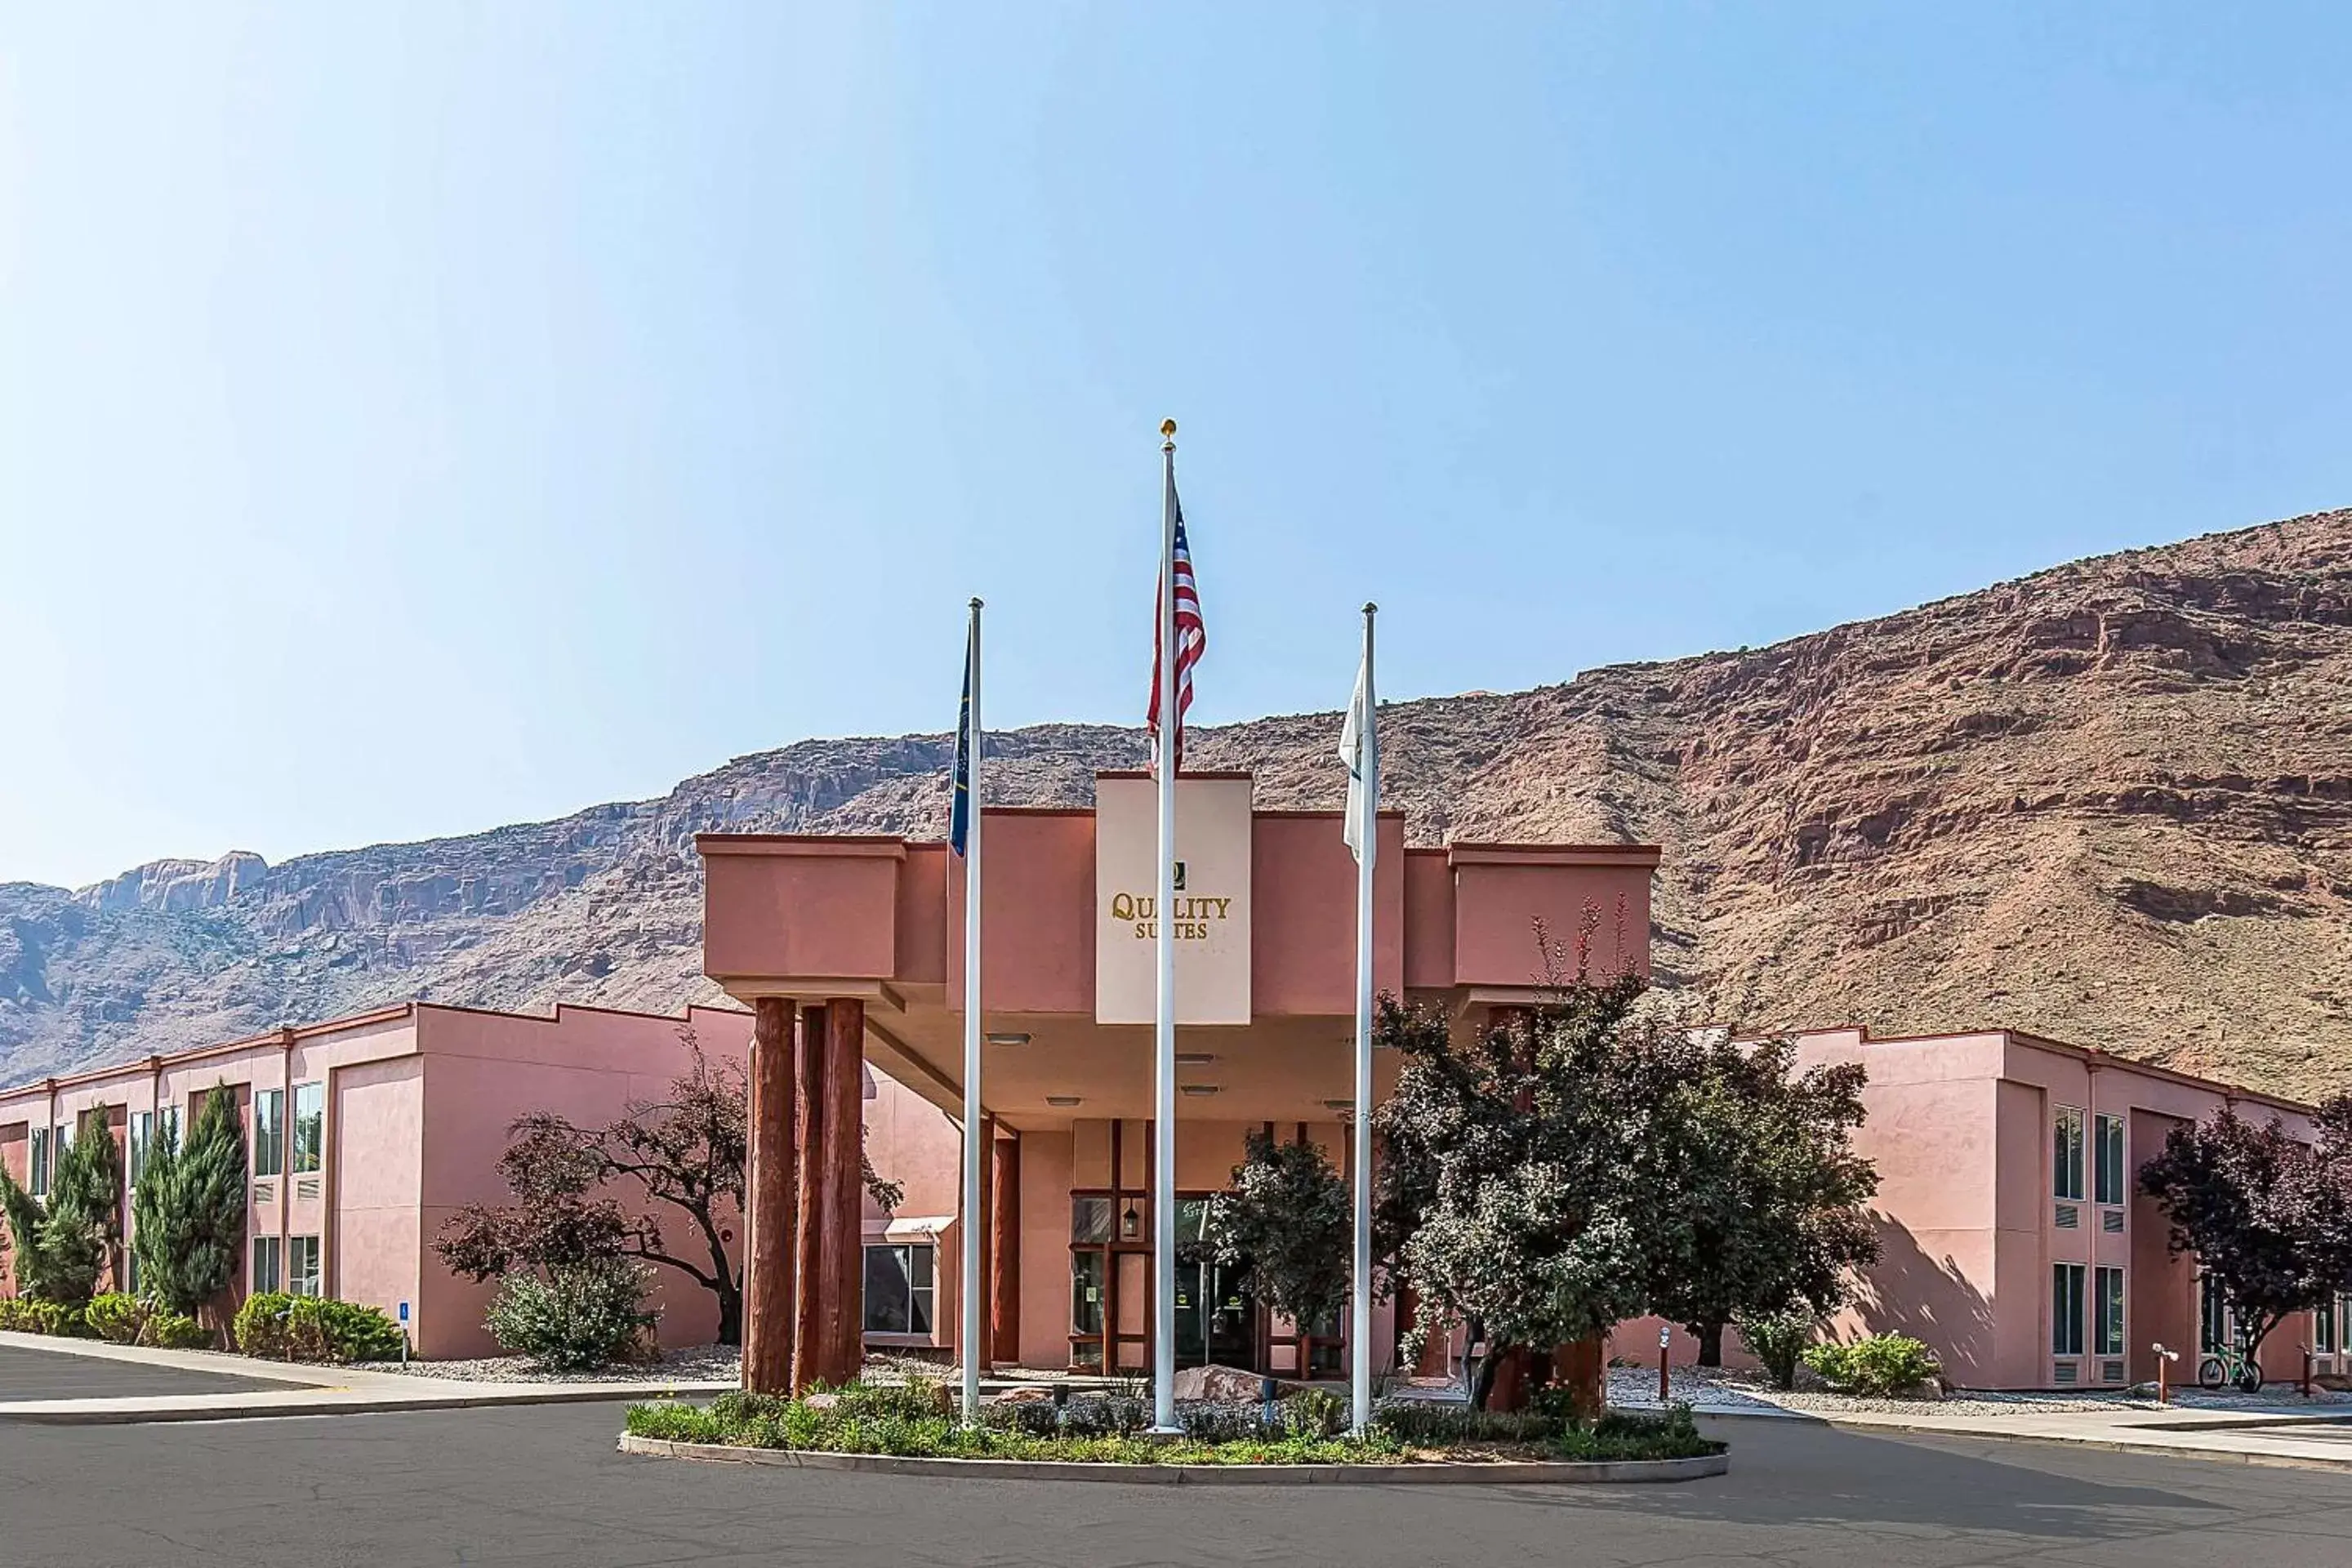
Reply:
x=307, y=1391
x=2319, y=1437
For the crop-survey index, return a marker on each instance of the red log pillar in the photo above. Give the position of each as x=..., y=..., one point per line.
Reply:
x=841, y=1251
x=768, y=1227
x=808, y=1202
x=1582, y=1366
x=1005, y=1249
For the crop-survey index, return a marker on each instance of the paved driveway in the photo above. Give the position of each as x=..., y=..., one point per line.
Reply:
x=51, y=1374
x=543, y=1487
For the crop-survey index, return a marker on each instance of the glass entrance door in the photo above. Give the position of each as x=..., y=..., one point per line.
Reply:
x=1214, y=1316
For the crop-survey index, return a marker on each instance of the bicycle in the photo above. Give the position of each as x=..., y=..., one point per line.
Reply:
x=2230, y=1366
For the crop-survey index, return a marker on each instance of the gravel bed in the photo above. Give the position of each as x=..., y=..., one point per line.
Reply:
x=700, y=1364
x=1712, y=1389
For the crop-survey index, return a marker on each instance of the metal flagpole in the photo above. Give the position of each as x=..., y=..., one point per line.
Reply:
x=1163, y=1094
x=974, y=1124
x=1360, y=1327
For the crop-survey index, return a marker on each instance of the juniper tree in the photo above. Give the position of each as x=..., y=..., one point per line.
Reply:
x=188, y=1210
x=63, y=1246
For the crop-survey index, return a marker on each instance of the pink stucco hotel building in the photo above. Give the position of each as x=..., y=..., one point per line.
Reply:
x=2014, y=1239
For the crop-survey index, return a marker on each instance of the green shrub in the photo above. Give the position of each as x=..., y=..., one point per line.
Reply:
x=1879, y=1365
x=24, y=1315
x=116, y=1317
x=1778, y=1340
x=174, y=1331
x=1632, y=1435
x=1315, y=1412
x=1424, y=1424
x=279, y=1327
x=588, y=1315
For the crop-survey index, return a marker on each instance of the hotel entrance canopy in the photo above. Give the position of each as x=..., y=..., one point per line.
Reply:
x=1265, y=927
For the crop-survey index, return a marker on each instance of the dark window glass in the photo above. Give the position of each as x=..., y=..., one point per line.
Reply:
x=1092, y=1220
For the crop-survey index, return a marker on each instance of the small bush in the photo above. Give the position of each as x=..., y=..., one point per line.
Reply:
x=278, y=1327
x=27, y=1315
x=1778, y=1340
x=1315, y=1412
x=1874, y=1367
x=1426, y=1426
x=588, y=1316
x=116, y=1317
x=174, y=1331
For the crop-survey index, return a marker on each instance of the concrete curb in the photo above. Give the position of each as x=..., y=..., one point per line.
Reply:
x=324, y=1402
x=1497, y=1473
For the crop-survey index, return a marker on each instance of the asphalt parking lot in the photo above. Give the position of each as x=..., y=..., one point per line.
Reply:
x=543, y=1487
x=44, y=1375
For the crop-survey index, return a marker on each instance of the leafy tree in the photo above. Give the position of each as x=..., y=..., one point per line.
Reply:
x=1289, y=1217
x=64, y=1247
x=1771, y=1217
x=2270, y=1219
x=188, y=1211
x=687, y=1153
x=1527, y=1185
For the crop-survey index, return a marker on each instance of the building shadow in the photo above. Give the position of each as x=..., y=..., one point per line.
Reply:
x=1908, y=1292
x=1807, y=1475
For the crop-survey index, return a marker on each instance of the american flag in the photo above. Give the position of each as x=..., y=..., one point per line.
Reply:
x=1192, y=636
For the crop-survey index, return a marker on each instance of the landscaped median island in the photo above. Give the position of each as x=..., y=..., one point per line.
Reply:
x=915, y=1421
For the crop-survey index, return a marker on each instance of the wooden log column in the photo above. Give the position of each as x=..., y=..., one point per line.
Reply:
x=841, y=1251
x=809, y=1363
x=769, y=1226
x=1004, y=1250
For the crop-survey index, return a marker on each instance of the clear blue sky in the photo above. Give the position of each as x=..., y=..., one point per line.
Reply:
x=414, y=417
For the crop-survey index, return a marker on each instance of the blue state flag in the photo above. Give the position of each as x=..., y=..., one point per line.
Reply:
x=960, y=814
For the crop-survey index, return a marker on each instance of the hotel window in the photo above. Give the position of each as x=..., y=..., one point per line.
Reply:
x=63, y=1139
x=265, y=1275
x=2066, y=1310
x=2323, y=1329
x=142, y=1130
x=900, y=1289
x=2212, y=1317
x=39, y=1184
x=2066, y=1154
x=2107, y=1329
x=269, y=1133
x=2111, y=1188
x=302, y=1265
x=310, y=1125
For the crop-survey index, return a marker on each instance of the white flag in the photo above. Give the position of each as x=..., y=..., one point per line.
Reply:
x=1355, y=736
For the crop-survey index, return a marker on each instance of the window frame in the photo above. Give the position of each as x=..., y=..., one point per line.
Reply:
x=2067, y=1155
x=2102, y=1344
x=37, y=1170
x=306, y=1265
x=2115, y=1194
x=308, y=1155
x=2069, y=1289
x=2324, y=1321
x=925, y=1291
x=142, y=1131
x=270, y=1107
x=258, y=1280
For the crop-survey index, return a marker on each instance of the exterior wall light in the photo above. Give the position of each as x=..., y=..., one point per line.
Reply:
x=1195, y=1059
x=1130, y=1224
x=1064, y=1101
x=1196, y=1089
x=1020, y=1039
x=1339, y=1105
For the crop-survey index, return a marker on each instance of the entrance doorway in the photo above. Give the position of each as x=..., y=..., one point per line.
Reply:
x=1214, y=1319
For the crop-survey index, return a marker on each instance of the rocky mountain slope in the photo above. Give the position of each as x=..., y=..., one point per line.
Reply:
x=2110, y=802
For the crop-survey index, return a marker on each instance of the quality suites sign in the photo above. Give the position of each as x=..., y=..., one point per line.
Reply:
x=1208, y=917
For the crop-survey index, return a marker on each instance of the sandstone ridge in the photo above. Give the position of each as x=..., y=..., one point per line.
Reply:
x=2110, y=802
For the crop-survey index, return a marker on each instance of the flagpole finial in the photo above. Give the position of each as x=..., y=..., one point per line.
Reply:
x=1168, y=434
x=975, y=604
x=1369, y=608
